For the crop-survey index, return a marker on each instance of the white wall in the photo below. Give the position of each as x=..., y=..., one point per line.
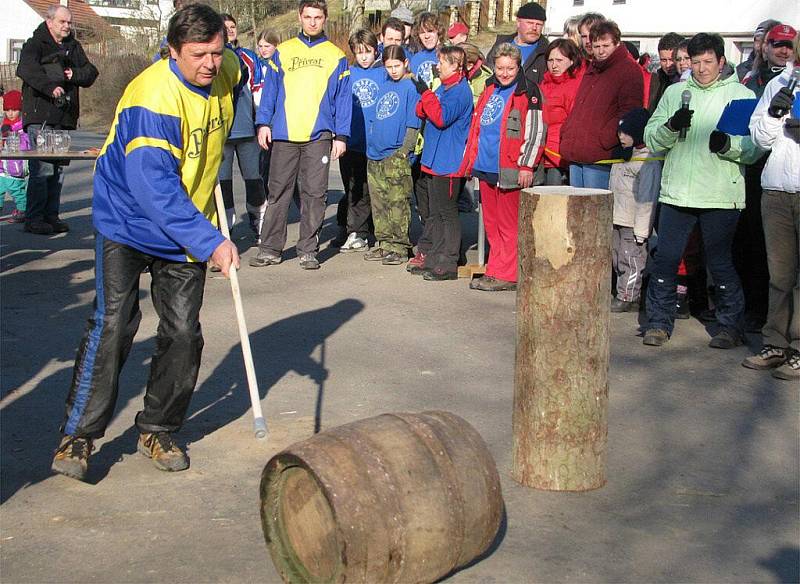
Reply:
x=646, y=20
x=19, y=22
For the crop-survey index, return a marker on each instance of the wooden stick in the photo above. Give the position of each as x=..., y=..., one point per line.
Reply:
x=259, y=425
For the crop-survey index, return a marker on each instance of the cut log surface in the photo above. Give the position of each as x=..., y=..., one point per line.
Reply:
x=560, y=425
x=394, y=498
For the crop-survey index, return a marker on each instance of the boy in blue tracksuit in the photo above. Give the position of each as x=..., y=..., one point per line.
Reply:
x=391, y=136
x=304, y=117
x=447, y=113
x=353, y=212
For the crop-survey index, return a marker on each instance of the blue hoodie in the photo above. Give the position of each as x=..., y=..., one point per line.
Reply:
x=366, y=85
x=395, y=110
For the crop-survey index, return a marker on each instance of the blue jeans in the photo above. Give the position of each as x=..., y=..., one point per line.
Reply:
x=590, y=176
x=717, y=227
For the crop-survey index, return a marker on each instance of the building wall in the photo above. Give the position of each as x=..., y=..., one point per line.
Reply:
x=644, y=21
x=19, y=21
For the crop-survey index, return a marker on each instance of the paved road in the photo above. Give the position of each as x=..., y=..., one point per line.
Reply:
x=703, y=459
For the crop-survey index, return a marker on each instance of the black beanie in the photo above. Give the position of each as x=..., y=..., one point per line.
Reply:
x=533, y=11
x=633, y=124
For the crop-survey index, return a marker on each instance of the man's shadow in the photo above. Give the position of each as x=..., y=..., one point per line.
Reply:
x=280, y=348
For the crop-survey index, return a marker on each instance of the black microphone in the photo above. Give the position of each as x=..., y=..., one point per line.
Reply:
x=794, y=79
x=686, y=97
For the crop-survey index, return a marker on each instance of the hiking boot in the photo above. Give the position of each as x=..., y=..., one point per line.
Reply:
x=17, y=216
x=165, y=454
x=38, y=227
x=264, y=258
x=790, y=370
x=376, y=255
x=492, y=284
x=618, y=305
x=57, y=224
x=768, y=357
x=354, y=243
x=72, y=457
x=725, y=340
x=439, y=275
x=309, y=261
x=393, y=258
x=416, y=270
x=655, y=337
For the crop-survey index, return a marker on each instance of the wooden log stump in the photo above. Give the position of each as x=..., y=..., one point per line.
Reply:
x=560, y=418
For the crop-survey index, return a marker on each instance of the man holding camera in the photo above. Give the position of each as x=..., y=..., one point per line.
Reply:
x=52, y=66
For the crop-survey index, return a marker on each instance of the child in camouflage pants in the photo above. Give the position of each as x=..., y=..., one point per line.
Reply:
x=391, y=135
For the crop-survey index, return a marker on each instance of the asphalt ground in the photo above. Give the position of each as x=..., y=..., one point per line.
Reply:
x=703, y=454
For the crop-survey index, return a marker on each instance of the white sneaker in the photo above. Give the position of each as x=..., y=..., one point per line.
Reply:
x=354, y=243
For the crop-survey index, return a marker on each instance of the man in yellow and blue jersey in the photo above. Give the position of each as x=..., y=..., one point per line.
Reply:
x=304, y=118
x=154, y=208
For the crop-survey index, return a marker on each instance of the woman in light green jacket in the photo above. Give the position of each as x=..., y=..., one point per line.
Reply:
x=702, y=182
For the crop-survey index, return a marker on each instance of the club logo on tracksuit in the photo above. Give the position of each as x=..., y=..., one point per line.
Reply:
x=365, y=90
x=387, y=105
x=492, y=111
x=425, y=71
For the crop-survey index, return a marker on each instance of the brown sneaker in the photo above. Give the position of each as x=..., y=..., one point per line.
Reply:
x=72, y=457
x=769, y=357
x=164, y=453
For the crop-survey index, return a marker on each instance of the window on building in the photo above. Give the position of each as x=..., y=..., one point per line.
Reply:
x=14, y=49
x=619, y=2
x=577, y=2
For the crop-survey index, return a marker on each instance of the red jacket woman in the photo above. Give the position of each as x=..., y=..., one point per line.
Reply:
x=559, y=88
x=505, y=143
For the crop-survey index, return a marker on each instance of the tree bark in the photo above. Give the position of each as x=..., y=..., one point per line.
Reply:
x=560, y=418
x=357, y=19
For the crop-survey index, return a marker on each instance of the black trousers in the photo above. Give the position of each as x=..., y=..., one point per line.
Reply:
x=177, y=295
x=441, y=235
x=355, y=209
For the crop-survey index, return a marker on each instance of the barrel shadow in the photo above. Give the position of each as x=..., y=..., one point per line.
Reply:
x=288, y=345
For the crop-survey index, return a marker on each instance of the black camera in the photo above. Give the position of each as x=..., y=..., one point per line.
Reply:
x=63, y=101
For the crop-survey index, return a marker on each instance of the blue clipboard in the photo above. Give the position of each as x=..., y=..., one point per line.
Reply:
x=735, y=119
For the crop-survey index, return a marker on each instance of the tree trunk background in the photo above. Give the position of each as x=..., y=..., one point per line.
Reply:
x=560, y=418
x=357, y=16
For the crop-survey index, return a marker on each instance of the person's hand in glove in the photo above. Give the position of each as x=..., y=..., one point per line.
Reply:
x=682, y=118
x=781, y=103
x=792, y=127
x=421, y=86
x=719, y=142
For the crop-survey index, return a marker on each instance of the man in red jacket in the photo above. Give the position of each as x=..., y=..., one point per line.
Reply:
x=611, y=87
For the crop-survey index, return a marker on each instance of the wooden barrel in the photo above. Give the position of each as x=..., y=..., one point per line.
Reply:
x=395, y=498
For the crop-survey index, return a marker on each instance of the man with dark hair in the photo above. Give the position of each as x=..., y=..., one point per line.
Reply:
x=702, y=184
x=667, y=72
x=529, y=40
x=585, y=25
x=52, y=66
x=304, y=117
x=612, y=86
x=153, y=207
x=393, y=32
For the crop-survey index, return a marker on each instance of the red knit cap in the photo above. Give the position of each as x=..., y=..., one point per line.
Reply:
x=12, y=100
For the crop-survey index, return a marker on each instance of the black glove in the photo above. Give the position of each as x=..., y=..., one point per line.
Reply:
x=781, y=103
x=719, y=142
x=792, y=127
x=681, y=119
x=435, y=71
x=421, y=86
